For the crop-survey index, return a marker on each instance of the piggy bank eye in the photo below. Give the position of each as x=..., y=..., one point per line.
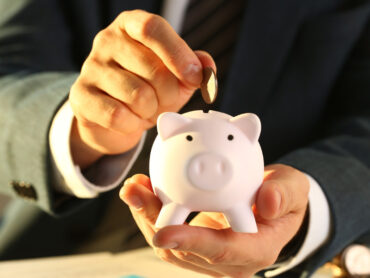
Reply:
x=230, y=137
x=189, y=138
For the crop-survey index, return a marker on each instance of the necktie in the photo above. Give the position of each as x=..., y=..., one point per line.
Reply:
x=213, y=26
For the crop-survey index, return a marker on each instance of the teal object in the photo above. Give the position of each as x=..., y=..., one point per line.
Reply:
x=132, y=276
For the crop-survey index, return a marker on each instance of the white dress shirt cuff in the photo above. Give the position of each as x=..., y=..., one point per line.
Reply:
x=104, y=175
x=317, y=232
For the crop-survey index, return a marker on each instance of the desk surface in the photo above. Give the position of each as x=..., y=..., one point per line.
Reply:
x=141, y=263
x=137, y=263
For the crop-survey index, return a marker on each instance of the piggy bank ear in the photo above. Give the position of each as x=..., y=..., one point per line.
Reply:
x=169, y=123
x=249, y=124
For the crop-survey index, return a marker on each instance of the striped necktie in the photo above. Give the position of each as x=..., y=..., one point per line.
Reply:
x=213, y=26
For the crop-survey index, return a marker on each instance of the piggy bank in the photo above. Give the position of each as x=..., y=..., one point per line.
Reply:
x=207, y=162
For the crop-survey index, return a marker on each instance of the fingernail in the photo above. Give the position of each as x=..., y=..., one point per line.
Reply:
x=192, y=74
x=278, y=200
x=127, y=181
x=170, y=245
x=134, y=201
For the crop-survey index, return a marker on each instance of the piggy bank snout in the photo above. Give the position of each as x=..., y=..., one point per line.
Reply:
x=209, y=171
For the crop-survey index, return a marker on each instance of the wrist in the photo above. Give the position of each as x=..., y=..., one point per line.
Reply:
x=82, y=154
x=293, y=246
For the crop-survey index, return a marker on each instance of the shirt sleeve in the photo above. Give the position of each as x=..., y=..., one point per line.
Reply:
x=317, y=233
x=104, y=175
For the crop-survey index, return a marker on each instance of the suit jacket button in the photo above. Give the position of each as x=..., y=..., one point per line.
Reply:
x=24, y=190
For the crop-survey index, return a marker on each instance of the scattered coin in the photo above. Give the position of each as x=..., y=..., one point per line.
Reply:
x=356, y=260
x=209, y=85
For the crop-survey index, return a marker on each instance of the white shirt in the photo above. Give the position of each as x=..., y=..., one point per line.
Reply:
x=111, y=170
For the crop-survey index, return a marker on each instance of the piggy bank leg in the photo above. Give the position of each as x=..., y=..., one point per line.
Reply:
x=241, y=219
x=172, y=214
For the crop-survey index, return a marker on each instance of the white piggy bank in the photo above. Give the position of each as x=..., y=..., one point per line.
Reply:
x=207, y=162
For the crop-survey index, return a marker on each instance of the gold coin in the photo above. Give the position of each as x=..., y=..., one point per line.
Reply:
x=356, y=260
x=209, y=87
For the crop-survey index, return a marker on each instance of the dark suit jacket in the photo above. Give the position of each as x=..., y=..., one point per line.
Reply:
x=302, y=66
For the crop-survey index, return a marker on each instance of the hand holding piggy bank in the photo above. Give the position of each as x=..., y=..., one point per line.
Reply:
x=207, y=162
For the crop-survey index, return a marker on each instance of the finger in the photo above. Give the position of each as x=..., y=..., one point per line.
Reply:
x=222, y=250
x=147, y=226
x=268, y=200
x=222, y=269
x=206, y=59
x=116, y=46
x=198, y=241
x=124, y=86
x=213, y=220
x=102, y=110
x=155, y=33
x=141, y=179
x=146, y=229
x=143, y=62
x=142, y=200
x=137, y=194
x=168, y=256
x=283, y=191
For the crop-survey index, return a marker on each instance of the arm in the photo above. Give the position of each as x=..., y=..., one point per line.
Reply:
x=114, y=99
x=36, y=72
x=340, y=162
x=104, y=175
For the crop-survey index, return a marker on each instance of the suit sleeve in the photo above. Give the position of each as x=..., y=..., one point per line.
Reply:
x=36, y=72
x=340, y=162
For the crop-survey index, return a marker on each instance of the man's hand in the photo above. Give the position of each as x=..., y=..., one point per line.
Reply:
x=138, y=68
x=207, y=244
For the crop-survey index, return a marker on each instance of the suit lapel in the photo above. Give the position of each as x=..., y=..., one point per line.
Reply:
x=268, y=31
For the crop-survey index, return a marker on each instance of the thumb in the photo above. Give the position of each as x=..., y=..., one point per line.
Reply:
x=268, y=200
x=283, y=195
x=206, y=59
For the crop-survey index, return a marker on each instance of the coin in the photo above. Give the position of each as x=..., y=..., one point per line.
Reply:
x=209, y=85
x=356, y=260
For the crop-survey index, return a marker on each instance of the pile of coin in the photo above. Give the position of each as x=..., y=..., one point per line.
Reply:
x=353, y=262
